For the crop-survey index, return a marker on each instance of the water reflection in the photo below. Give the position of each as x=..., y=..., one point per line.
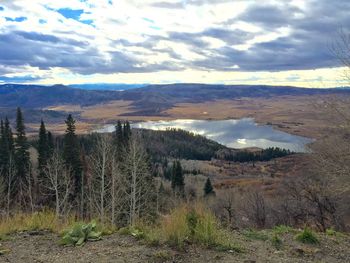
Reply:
x=240, y=133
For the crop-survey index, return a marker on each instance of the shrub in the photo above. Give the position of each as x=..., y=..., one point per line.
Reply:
x=307, y=236
x=174, y=227
x=197, y=225
x=81, y=233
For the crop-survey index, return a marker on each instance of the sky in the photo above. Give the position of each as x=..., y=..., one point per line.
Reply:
x=284, y=42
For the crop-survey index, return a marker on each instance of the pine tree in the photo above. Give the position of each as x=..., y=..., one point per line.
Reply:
x=50, y=144
x=177, y=179
x=71, y=154
x=126, y=132
x=119, y=135
x=43, y=149
x=6, y=146
x=208, y=188
x=22, y=159
x=9, y=136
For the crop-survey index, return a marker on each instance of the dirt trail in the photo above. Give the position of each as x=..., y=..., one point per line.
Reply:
x=43, y=247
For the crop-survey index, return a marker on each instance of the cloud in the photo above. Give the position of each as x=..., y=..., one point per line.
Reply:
x=145, y=37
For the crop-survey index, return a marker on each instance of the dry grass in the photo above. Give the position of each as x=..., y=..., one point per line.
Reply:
x=293, y=114
x=45, y=220
x=186, y=224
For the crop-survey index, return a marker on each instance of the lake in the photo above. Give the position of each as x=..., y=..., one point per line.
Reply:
x=239, y=133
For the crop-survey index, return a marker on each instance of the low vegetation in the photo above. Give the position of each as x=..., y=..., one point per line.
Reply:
x=186, y=225
x=38, y=221
x=307, y=236
x=81, y=233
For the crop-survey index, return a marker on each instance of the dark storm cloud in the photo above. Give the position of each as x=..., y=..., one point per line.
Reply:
x=311, y=31
x=48, y=51
x=268, y=15
x=306, y=47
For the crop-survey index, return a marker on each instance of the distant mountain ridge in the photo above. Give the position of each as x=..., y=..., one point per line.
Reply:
x=151, y=99
x=107, y=86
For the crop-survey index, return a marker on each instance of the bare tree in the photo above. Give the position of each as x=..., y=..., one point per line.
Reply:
x=255, y=208
x=9, y=179
x=58, y=183
x=140, y=188
x=226, y=206
x=100, y=163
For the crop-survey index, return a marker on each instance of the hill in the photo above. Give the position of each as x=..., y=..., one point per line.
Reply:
x=150, y=99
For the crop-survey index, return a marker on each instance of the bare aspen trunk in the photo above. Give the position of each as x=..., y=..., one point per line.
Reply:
x=113, y=202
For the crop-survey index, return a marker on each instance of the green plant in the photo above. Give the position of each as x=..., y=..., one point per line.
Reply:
x=254, y=234
x=81, y=233
x=276, y=241
x=192, y=220
x=331, y=232
x=228, y=246
x=283, y=229
x=307, y=236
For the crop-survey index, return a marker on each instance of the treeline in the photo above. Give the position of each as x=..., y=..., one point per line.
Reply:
x=263, y=155
x=180, y=144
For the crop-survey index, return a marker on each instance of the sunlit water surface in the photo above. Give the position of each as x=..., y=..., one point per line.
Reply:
x=239, y=133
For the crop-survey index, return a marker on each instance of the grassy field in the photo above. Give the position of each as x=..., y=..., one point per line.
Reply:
x=293, y=114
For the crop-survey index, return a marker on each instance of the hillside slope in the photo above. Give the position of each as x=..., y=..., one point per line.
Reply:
x=152, y=98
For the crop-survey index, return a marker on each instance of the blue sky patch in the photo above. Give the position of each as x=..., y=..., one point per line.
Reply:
x=16, y=19
x=1, y=8
x=155, y=27
x=148, y=20
x=70, y=13
x=87, y=21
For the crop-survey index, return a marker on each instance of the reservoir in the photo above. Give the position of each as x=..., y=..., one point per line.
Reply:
x=241, y=133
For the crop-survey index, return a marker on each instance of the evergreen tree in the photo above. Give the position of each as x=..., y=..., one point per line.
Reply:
x=6, y=146
x=43, y=148
x=126, y=132
x=119, y=134
x=22, y=147
x=177, y=179
x=208, y=188
x=22, y=158
x=71, y=154
x=9, y=136
x=50, y=144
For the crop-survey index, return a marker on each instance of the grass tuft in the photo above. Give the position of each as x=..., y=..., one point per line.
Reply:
x=185, y=225
x=283, y=229
x=307, y=236
x=256, y=235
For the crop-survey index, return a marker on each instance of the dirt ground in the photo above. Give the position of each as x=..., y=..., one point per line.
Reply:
x=43, y=247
